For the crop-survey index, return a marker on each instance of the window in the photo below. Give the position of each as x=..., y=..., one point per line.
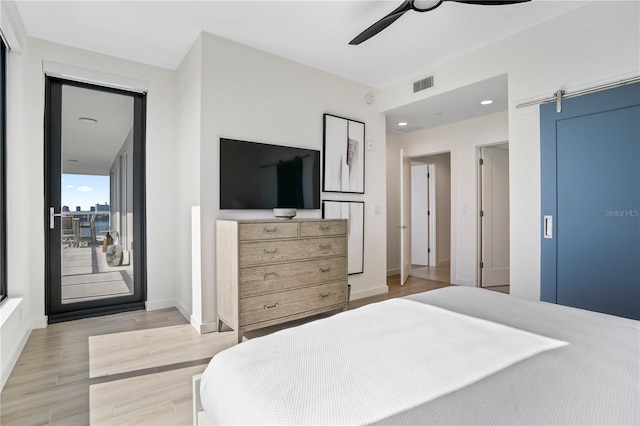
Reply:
x=3, y=175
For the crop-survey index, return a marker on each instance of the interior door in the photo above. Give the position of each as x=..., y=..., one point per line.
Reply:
x=90, y=132
x=419, y=215
x=405, y=217
x=432, y=230
x=494, y=216
x=590, y=156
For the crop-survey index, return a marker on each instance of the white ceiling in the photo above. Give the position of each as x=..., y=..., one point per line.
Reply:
x=450, y=107
x=314, y=33
x=91, y=148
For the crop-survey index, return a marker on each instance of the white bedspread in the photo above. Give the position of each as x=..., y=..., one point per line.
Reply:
x=360, y=366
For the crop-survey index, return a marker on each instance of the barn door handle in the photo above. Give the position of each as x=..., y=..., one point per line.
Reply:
x=548, y=226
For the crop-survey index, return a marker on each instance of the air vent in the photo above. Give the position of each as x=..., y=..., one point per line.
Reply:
x=425, y=83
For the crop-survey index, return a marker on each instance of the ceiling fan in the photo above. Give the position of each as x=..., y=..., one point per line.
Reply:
x=418, y=6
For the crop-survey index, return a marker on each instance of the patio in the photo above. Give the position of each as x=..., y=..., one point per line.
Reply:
x=87, y=276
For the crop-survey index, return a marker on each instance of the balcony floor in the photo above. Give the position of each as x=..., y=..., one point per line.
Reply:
x=87, y=276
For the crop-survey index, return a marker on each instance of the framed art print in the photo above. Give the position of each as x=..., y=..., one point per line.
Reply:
x=343, y=155
x=354, y=211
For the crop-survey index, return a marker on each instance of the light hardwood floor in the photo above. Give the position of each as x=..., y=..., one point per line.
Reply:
x=129, y=368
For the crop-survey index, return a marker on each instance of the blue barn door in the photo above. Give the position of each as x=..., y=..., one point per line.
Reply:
x=590, y=159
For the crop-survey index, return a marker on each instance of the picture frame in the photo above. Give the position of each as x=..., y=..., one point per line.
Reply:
x=343, y=155
x=354, y=212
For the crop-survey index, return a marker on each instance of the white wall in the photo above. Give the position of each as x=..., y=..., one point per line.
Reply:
x=442, y=166
x=189, y=100
x=160, y=150
x=251, y=95
x=594, y=44
x=15, y=321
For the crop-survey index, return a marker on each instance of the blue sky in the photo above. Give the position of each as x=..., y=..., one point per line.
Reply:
x=84, y=191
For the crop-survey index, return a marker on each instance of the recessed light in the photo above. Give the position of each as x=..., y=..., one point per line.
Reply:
x=88, y=120
x=402, y=123
x=487, y=102
x=72, y=160
x=439, y=113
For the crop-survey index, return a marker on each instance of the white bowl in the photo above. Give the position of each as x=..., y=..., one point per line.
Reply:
x=284, y=213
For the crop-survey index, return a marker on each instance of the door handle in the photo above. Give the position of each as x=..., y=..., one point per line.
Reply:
x=548, y=226
x=52, y=216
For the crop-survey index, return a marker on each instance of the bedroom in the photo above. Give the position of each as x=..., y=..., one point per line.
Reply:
x=206, y=85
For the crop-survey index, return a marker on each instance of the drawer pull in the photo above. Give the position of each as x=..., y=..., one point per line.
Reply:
x=275, y=305
x=267, y=251
x=324, y=247
x=325, y=227
x=270, y=230
x=271, y=274
x=324, y=295
x=327, y=269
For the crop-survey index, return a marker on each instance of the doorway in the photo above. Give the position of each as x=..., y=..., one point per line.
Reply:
x=94, y=197
x=493, y=195
x=430, y=217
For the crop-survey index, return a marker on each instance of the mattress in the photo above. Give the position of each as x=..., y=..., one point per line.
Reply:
x=456, y=355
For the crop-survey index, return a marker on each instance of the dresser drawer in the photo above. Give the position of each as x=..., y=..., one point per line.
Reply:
x=267, y=230
x=267, y=307
x=267, y=279
x=257, y=253
x=323, y=228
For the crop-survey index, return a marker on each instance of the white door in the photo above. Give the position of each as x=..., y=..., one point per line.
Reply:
x=405, y=217
x=431, y=226
x=419, y=214
x=494, y=216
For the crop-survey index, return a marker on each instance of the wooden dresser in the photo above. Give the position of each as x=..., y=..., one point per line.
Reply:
x=273, y=271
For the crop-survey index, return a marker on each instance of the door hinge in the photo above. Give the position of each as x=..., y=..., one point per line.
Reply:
x=428, y=250
x=428, y=212
x=481, y=162
x=481, y=213
x=428, y=176
x=481, y=265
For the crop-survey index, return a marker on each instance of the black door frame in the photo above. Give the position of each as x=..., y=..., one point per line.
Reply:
x=54, y=309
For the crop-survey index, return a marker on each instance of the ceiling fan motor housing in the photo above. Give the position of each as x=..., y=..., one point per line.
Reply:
x=425, y=5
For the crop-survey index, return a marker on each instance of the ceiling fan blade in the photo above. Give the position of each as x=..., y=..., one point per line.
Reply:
x=382, y=23
x=490, y=2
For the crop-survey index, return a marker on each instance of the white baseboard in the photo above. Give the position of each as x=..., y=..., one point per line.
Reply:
x=366, y=293
x=391, y=272
x=156, y=305
x=209, y=327
x=41, y=322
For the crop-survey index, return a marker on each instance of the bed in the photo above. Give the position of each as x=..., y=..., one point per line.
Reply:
x=456, y=355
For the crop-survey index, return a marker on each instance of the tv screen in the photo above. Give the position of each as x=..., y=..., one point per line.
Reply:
x=262, y=176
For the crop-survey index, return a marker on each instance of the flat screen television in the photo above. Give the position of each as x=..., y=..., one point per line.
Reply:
x=263, y=176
